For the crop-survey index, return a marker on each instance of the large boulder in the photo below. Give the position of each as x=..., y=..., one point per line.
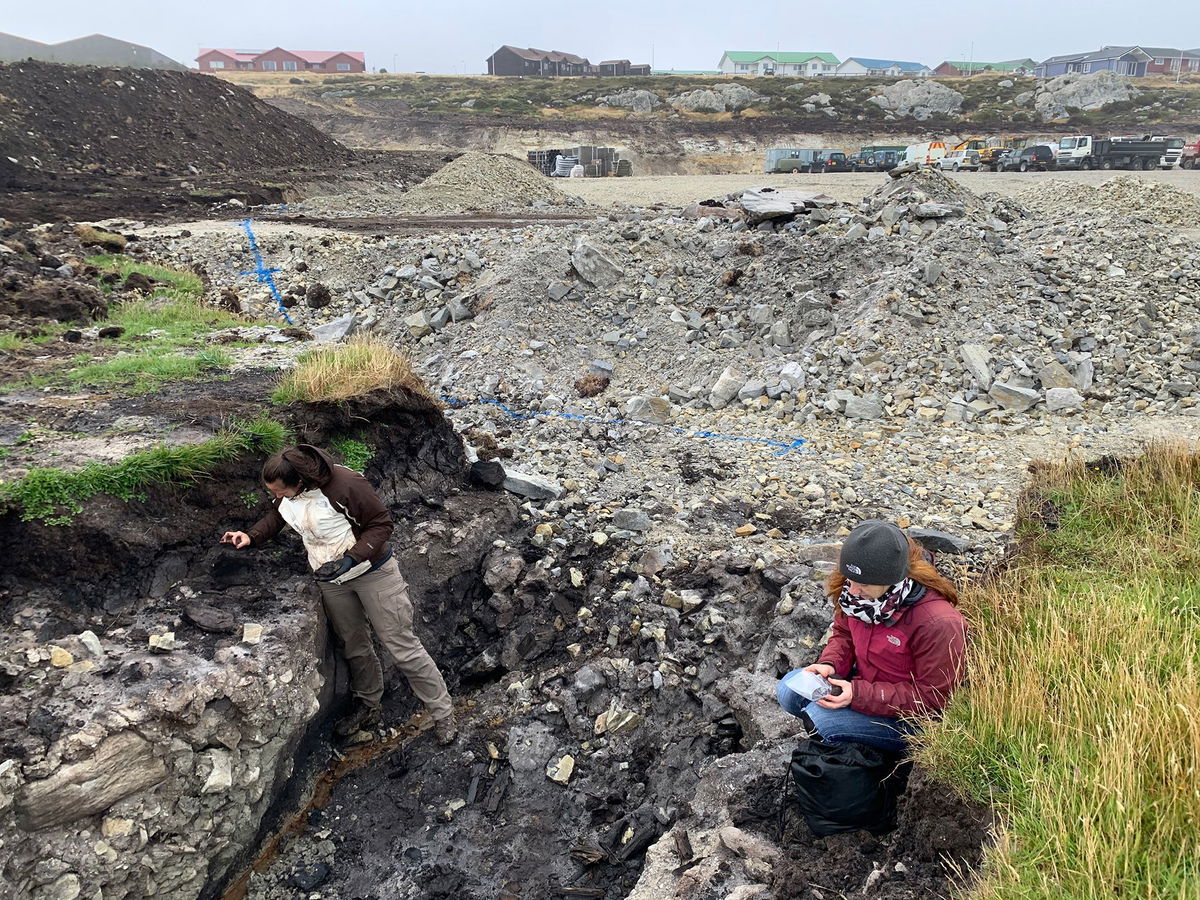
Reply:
x=919, y=99
x=636, y=100
x=727, y=97
x=1094, y=91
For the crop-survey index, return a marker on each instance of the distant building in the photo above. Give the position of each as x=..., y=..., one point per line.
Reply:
x=753, y=62
x=860, y=66
x=279, y=60
x=93, y=50
x=1136, y=62
x=1008, y=67
x=685, y=72
x=509, y=60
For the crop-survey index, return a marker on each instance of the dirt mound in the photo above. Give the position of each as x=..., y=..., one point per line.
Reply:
x=77, y=119
x=42, y=281
x=1130, y=194
x=483, y=181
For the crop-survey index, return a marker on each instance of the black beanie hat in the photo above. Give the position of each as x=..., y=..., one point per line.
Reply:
x=875, y=552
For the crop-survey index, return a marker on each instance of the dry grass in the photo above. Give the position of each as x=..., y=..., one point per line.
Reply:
x=1081, y=721
x=350, y=370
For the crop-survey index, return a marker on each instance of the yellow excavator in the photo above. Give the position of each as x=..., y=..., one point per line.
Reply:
x=991, y=148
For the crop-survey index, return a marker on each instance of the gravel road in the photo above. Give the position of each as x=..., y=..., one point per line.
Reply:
x=678, y=190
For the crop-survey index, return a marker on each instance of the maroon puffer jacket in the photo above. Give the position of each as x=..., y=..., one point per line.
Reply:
x=903, y=669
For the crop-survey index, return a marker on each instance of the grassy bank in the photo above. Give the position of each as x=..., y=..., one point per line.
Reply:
x=163, y=335
x=55, y=496
x=1081, y=722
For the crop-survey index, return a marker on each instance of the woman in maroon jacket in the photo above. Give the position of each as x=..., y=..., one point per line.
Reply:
x=897, y=646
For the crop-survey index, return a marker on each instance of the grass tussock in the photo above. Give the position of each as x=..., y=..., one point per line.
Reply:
x=349, y=370
x=1081, y=722
x=56, y=496
x=91, y=236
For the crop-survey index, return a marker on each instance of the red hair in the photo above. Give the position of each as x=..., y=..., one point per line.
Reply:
x=920, y=569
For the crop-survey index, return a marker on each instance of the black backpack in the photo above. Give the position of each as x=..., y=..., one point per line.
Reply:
x=847, y=787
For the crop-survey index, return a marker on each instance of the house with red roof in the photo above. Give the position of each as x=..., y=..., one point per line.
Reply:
x=278, y=59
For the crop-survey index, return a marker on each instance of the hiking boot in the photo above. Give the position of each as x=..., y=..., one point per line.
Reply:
x=445, y=730
x=360, y=718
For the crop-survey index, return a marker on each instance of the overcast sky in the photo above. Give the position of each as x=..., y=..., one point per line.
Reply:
x=458, y=36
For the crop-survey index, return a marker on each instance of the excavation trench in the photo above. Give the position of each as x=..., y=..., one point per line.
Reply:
x=598, y=723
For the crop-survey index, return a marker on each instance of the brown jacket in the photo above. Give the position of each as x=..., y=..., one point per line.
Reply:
x=348, y=492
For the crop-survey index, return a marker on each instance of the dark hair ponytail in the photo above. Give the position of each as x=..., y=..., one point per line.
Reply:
x=277, y=468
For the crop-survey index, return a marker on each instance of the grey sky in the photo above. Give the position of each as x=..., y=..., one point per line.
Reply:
x=453, y=37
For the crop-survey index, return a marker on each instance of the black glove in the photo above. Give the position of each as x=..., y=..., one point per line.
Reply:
x=335, y=568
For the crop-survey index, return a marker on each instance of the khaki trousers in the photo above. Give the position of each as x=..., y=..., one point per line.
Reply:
x=380, y=598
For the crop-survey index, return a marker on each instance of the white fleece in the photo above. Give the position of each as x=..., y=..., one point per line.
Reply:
x=326, y=532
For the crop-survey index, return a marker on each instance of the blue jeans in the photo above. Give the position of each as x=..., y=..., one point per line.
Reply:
x=838, y=726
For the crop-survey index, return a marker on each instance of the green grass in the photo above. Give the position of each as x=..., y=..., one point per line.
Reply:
x=1081, y=721
x=145, y=370
x=355, y=453
x=178, y=316
x=55, y=496
x=164, y=335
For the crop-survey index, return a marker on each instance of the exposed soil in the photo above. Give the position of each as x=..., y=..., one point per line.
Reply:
x=937, y=843
x=91, y=142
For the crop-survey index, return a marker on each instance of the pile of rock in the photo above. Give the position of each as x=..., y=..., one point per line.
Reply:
x=482, y=181
x=1153, y=201
x=794, y=308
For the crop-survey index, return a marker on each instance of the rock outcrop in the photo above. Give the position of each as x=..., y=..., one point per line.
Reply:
x=1054, y=99
x=726, y=97
x=920, y=100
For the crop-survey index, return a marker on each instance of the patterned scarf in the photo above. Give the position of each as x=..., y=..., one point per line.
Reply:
x=885, y=609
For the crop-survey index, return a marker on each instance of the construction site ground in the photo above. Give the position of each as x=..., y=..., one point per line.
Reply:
x=679, y=190
x=690, y=412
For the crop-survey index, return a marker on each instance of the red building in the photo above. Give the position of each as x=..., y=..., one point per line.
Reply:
x=280, y=60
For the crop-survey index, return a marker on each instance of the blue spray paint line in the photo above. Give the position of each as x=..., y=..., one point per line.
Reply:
x=783, y=447
x=262, y=273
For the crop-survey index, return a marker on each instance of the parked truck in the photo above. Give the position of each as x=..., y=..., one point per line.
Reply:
x=789, y=159
x=1172, y=149
x=1086, y=151
x=1190, y=156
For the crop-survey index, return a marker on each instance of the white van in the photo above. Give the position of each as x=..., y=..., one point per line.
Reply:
x=926, y=154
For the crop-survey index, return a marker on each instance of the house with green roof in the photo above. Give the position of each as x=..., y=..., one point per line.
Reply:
x=975, y=67
x=754, y=62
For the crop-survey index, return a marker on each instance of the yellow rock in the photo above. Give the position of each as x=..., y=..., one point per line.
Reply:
x=561, y=771
x=904, y=521
x=746, y=529
x=60, y=658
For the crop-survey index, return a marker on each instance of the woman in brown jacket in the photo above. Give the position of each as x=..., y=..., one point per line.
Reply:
x=345, y=528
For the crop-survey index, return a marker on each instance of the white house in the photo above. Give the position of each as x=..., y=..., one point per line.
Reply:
x=861, y=66
x=753, y=62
